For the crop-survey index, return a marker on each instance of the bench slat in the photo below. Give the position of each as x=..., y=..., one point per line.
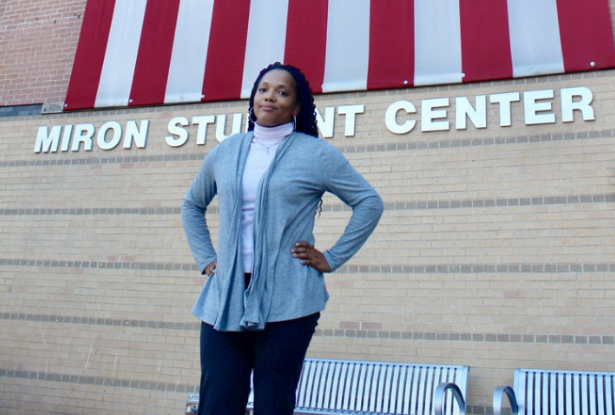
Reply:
x=358, y=386
x=530, y=396
x=593, y=394
x=449, y=404
x=342, y=391
x=395, y=390
x=553, y=382
x=600, y=396
x=561, y=402
x=444, y=377
x=379, y=391
x=417, y=386
x=330, y=396
x=424, y=387
x=319, y=385
x=407, y=390
x=583, y=392
x=608, y=387
x=543, y=404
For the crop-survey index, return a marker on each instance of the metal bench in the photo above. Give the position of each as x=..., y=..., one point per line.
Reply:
x=331, y=386
x=538, y=391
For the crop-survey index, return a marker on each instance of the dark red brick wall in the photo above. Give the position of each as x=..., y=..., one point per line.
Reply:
x=38, y=40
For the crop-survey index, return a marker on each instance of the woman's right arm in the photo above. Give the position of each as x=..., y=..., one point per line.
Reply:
x=200, y=194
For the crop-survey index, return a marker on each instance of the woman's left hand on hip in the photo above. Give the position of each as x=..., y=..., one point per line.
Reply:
x=310, y=256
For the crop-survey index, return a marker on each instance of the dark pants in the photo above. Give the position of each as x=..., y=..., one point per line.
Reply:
x=275, y=354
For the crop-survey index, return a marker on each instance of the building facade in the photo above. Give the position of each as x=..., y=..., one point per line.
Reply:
x=496, y=249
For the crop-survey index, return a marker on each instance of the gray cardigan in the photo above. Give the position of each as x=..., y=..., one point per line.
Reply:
x=287, y=200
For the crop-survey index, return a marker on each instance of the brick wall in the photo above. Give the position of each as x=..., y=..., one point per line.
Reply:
x=496, y=249
x=38, y=39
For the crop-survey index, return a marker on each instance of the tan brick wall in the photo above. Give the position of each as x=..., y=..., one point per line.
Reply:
x=496, y=249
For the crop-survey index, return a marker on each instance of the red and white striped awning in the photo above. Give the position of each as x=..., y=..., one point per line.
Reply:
x=152, y=52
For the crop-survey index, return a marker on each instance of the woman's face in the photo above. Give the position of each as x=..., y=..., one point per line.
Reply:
x=275, y=99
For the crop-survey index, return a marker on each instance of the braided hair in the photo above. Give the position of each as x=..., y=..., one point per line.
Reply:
x=306, y=119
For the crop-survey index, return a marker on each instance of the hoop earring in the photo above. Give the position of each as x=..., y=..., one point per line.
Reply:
x=251, y=115
x=294, y=122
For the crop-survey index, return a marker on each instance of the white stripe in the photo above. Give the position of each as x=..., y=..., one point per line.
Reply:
x=266, y=39
x=347, y=55
x=534, y=37
x=437, y=42
x=121, y=54
x=187, y=67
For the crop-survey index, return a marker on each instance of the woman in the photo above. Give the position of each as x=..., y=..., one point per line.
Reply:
x=262, y=300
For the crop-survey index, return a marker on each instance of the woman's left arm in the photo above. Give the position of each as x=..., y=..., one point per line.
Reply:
x=346, y=183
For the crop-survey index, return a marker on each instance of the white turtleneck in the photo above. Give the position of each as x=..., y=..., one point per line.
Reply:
x=262, y=151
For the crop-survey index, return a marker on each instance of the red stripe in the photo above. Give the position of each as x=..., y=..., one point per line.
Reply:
x=485, y=40
x=586, y=34
x=391, y=44
x=226, y=50
x=90, y=55
x=152, y=66
x=306, y=39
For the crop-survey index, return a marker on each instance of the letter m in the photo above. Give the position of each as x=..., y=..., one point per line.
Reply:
x=46, y=141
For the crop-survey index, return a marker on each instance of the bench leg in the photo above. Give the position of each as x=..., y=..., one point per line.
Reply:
x=439, y=396
x=498, y=397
